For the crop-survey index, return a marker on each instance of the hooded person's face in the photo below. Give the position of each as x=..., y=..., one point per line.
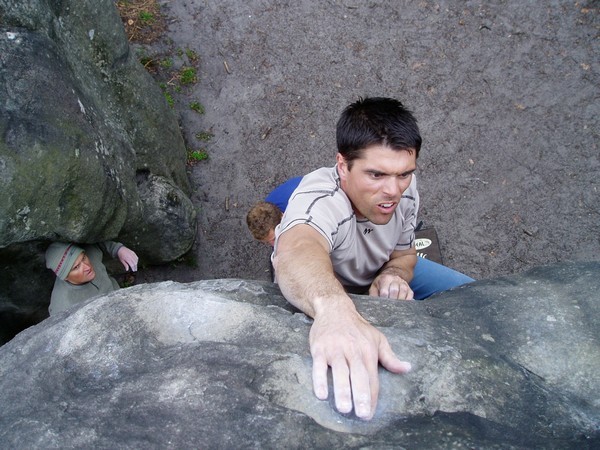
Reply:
x=82, y=271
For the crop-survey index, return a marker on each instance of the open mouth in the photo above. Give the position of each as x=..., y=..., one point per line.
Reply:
x=389, y=206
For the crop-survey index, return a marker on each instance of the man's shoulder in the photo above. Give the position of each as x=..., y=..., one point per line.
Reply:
x=323, y=175
x=320, y=203
x=321, y=187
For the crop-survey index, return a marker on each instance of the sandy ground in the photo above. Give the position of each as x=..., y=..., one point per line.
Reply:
x=506, y=96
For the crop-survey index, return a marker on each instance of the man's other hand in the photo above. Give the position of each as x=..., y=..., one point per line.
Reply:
x=390, y=285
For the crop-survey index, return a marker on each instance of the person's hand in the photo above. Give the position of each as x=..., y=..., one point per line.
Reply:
x=353, y=348
x=128, y=258
x=390, y=285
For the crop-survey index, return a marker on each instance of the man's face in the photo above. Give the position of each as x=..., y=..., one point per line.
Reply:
x=377, y=180
x=82, y=271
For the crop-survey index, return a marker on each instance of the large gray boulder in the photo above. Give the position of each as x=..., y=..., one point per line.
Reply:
x=89, y=148
x=512, y=362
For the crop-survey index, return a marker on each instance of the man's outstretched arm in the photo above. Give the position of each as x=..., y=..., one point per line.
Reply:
x=340, y=337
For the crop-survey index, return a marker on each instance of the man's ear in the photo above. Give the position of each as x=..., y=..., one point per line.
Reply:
x=342, y=165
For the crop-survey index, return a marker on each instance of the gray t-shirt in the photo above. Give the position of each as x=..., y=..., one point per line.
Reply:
x=358, y=248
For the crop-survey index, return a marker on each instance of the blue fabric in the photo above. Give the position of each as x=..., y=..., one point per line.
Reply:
x=430, y=278
x=281, y=194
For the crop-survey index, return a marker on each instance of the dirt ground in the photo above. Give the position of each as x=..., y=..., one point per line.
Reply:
x=506, y=96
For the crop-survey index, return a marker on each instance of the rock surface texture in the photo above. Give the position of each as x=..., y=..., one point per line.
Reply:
x=511, y=362
x=89, y=149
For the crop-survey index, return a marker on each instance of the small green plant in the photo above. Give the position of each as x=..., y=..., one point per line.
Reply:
x=191, y=54
x=204, y=136
x=169, y=99
x=195, y=156
x=187, y=75
x=146, y=17
x=166, y=63
x=196, y=106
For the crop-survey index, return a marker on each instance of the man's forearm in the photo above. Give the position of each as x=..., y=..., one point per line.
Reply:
x=304, y=272
x=304, y=280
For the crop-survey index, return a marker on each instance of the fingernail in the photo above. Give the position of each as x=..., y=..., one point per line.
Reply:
x=345, y=408
x=363, y=411
x=321, y=394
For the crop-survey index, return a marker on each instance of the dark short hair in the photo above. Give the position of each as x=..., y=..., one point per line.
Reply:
x=376, y=121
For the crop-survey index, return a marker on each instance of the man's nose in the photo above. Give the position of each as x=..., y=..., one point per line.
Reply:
x=391, y=186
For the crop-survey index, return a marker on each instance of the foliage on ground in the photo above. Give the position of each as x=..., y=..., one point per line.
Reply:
x=195, y=156
x=173, y=69
x=143, y=20
x=145, y=24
